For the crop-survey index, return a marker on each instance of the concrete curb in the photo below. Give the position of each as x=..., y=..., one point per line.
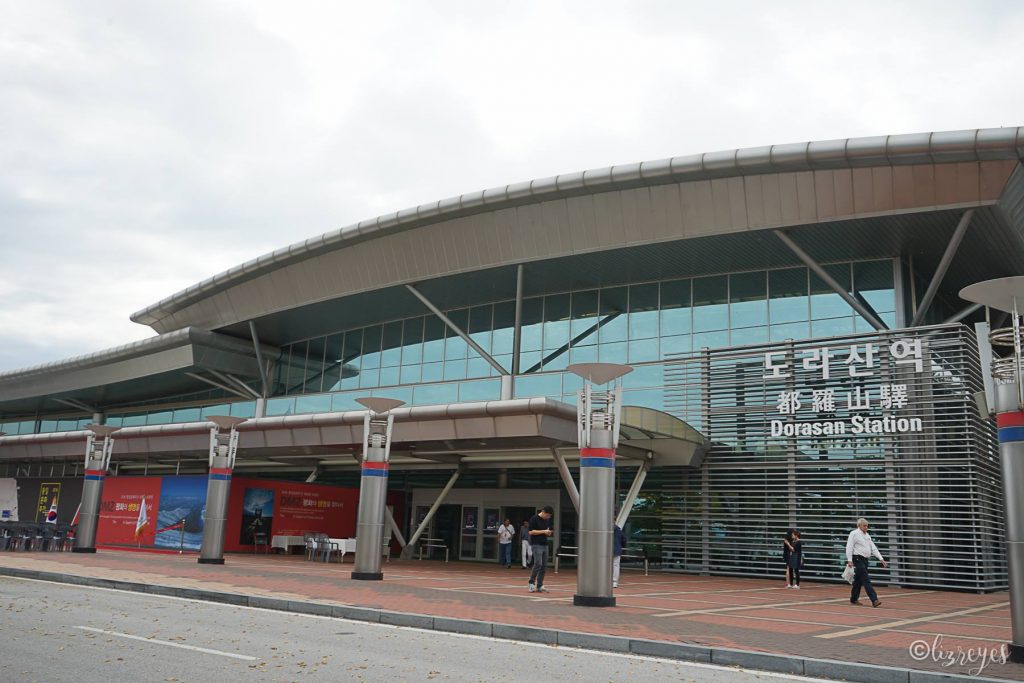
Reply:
x=762, y=661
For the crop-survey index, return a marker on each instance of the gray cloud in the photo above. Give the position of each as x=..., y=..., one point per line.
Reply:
x=149, y=145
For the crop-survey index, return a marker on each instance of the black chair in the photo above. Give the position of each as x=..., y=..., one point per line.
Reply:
x=260, y=539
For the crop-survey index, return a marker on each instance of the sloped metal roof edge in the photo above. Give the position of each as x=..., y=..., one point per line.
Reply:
x=182, y=337
x=915, y=148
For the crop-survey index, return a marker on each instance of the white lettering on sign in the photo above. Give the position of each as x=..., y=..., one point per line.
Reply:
x=859, y=362
x=858, y=424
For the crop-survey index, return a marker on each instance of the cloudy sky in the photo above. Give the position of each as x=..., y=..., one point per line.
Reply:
x=149, y=145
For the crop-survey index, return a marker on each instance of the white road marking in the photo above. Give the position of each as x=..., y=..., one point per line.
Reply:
x=207, y=650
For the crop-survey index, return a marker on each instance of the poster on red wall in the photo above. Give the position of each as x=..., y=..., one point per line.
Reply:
x=121, y=511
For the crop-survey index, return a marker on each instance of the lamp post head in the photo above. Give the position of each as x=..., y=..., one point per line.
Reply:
x=101, y=431
x=379, y=405
x=225, y=421
x=599, y=373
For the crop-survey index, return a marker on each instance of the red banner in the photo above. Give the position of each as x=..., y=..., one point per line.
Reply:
x=119, y=510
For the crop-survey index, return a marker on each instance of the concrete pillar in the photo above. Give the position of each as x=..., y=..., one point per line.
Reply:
x=98, y=447
x=597, y=506
x=373, y=493
x=218, y=489
x=1010, y=420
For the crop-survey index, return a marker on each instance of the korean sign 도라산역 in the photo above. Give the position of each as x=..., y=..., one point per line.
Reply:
x=856, y=366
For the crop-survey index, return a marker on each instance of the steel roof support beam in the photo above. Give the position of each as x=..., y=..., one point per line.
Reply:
x=570, y=485
x=634, y=491
x=390, y=521
x=963, y=313
x=78, y=404
x=457, y=330
x=231, y=379
x=223, y=387
x=407, y=550
x=829, y=280
x=574, y=341
x=944, y=263
x=264, y=384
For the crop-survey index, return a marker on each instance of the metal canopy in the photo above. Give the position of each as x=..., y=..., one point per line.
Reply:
x=1003, y=294
x=486, y=434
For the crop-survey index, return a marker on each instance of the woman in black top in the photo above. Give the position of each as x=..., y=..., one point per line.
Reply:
x=796, y=560
x=787, y=550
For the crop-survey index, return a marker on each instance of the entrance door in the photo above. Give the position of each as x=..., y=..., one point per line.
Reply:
x=447, y=522
x=517, y=515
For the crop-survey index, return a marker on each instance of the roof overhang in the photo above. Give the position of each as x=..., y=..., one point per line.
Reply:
x=492, y=434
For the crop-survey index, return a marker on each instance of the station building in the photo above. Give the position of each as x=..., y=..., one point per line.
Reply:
x=800, y=358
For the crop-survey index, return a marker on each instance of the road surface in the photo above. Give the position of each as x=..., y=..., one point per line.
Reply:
x=56, y=632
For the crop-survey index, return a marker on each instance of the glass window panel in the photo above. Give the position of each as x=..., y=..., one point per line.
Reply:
x=460, y=317
x=676, y=301
x=643, y=311
x=825, y=303
x=612, y=353
x=710, y=303
x=479, y=330
x=115, y=421
x=748, y=297
x=297, y=368
x=398, y=393
x=388, y=376
x=571, y=383
x=556, y=321
x=800, y=330
x=533, y=324
x=750, y=335
x=648, y=398
x=643, y=350
x=455, y=348
x=72, y=425
x=412, y=341
x=369, y=377
x=788, y=300
x=874, y=281
x=504, y=361
x=391, y=352
x=346, y=402
x=433, y=394
x=832, y=327
x=680, y=343
x=314, y=403
x=187, y=415
x=433, y=372
x=136, y=420
x=349, y=377
x=478, y=367
x=711, y=340
x=538, y=385
x=486, y=390
x=584, y=317
x=433, y=340
x=504, y=328
x=582, y=354
x=528, y=360
x=371, y=346
x=455, y=369
x=613, y=315
x=315, y=365
x=219, y=409
x=645, y=376
x=333, y=357
x=410, y=374
x=242, y=409
x=354, y=347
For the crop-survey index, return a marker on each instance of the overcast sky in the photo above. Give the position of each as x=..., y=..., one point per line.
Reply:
x=148, y=145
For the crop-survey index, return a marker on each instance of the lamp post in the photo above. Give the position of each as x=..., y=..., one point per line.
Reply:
x=373, y=486
x=1005, y=393
x=98, y=446
x=223, y=448
x=597, y=415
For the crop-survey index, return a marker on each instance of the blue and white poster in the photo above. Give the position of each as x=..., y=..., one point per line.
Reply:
x=181, y=514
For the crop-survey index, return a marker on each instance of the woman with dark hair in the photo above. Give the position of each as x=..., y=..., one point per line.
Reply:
x=787, y=552
x=796, y=559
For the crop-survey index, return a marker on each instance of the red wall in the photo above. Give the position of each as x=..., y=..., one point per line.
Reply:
x=119, y=510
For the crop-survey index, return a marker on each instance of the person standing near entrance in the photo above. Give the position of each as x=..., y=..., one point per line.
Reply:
x=524, y=537
x=859, y=549
x=618, y=543
x=796, y=559
x=540, y=531
x=505, y=533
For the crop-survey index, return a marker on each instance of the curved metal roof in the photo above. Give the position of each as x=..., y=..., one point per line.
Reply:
x=888, y=150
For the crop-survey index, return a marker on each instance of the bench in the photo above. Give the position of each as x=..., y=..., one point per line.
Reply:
x=573, y=552
x=434, y=543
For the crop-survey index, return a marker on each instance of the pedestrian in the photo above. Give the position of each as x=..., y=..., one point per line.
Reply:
x=540, y=531
x=618, y=544
x=787, y=550
x=505, y=533
x=524, y=537
x=859, y=549
x=796, y=559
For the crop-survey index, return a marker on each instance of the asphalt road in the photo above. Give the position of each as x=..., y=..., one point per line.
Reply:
x=55, y=632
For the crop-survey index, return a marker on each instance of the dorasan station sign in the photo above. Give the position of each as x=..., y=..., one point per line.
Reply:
x=857, y=398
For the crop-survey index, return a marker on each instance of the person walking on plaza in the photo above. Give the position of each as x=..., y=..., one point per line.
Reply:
x=859, y=549
x=505, y=533
x=540, y=531
x=618, y=544
x=524, y=537
x=796, y=559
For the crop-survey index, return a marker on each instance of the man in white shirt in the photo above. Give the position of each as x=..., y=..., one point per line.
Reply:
x=859, y=549
x=505, y=533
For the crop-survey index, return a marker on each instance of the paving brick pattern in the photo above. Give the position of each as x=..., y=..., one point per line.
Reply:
x=747, y=614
